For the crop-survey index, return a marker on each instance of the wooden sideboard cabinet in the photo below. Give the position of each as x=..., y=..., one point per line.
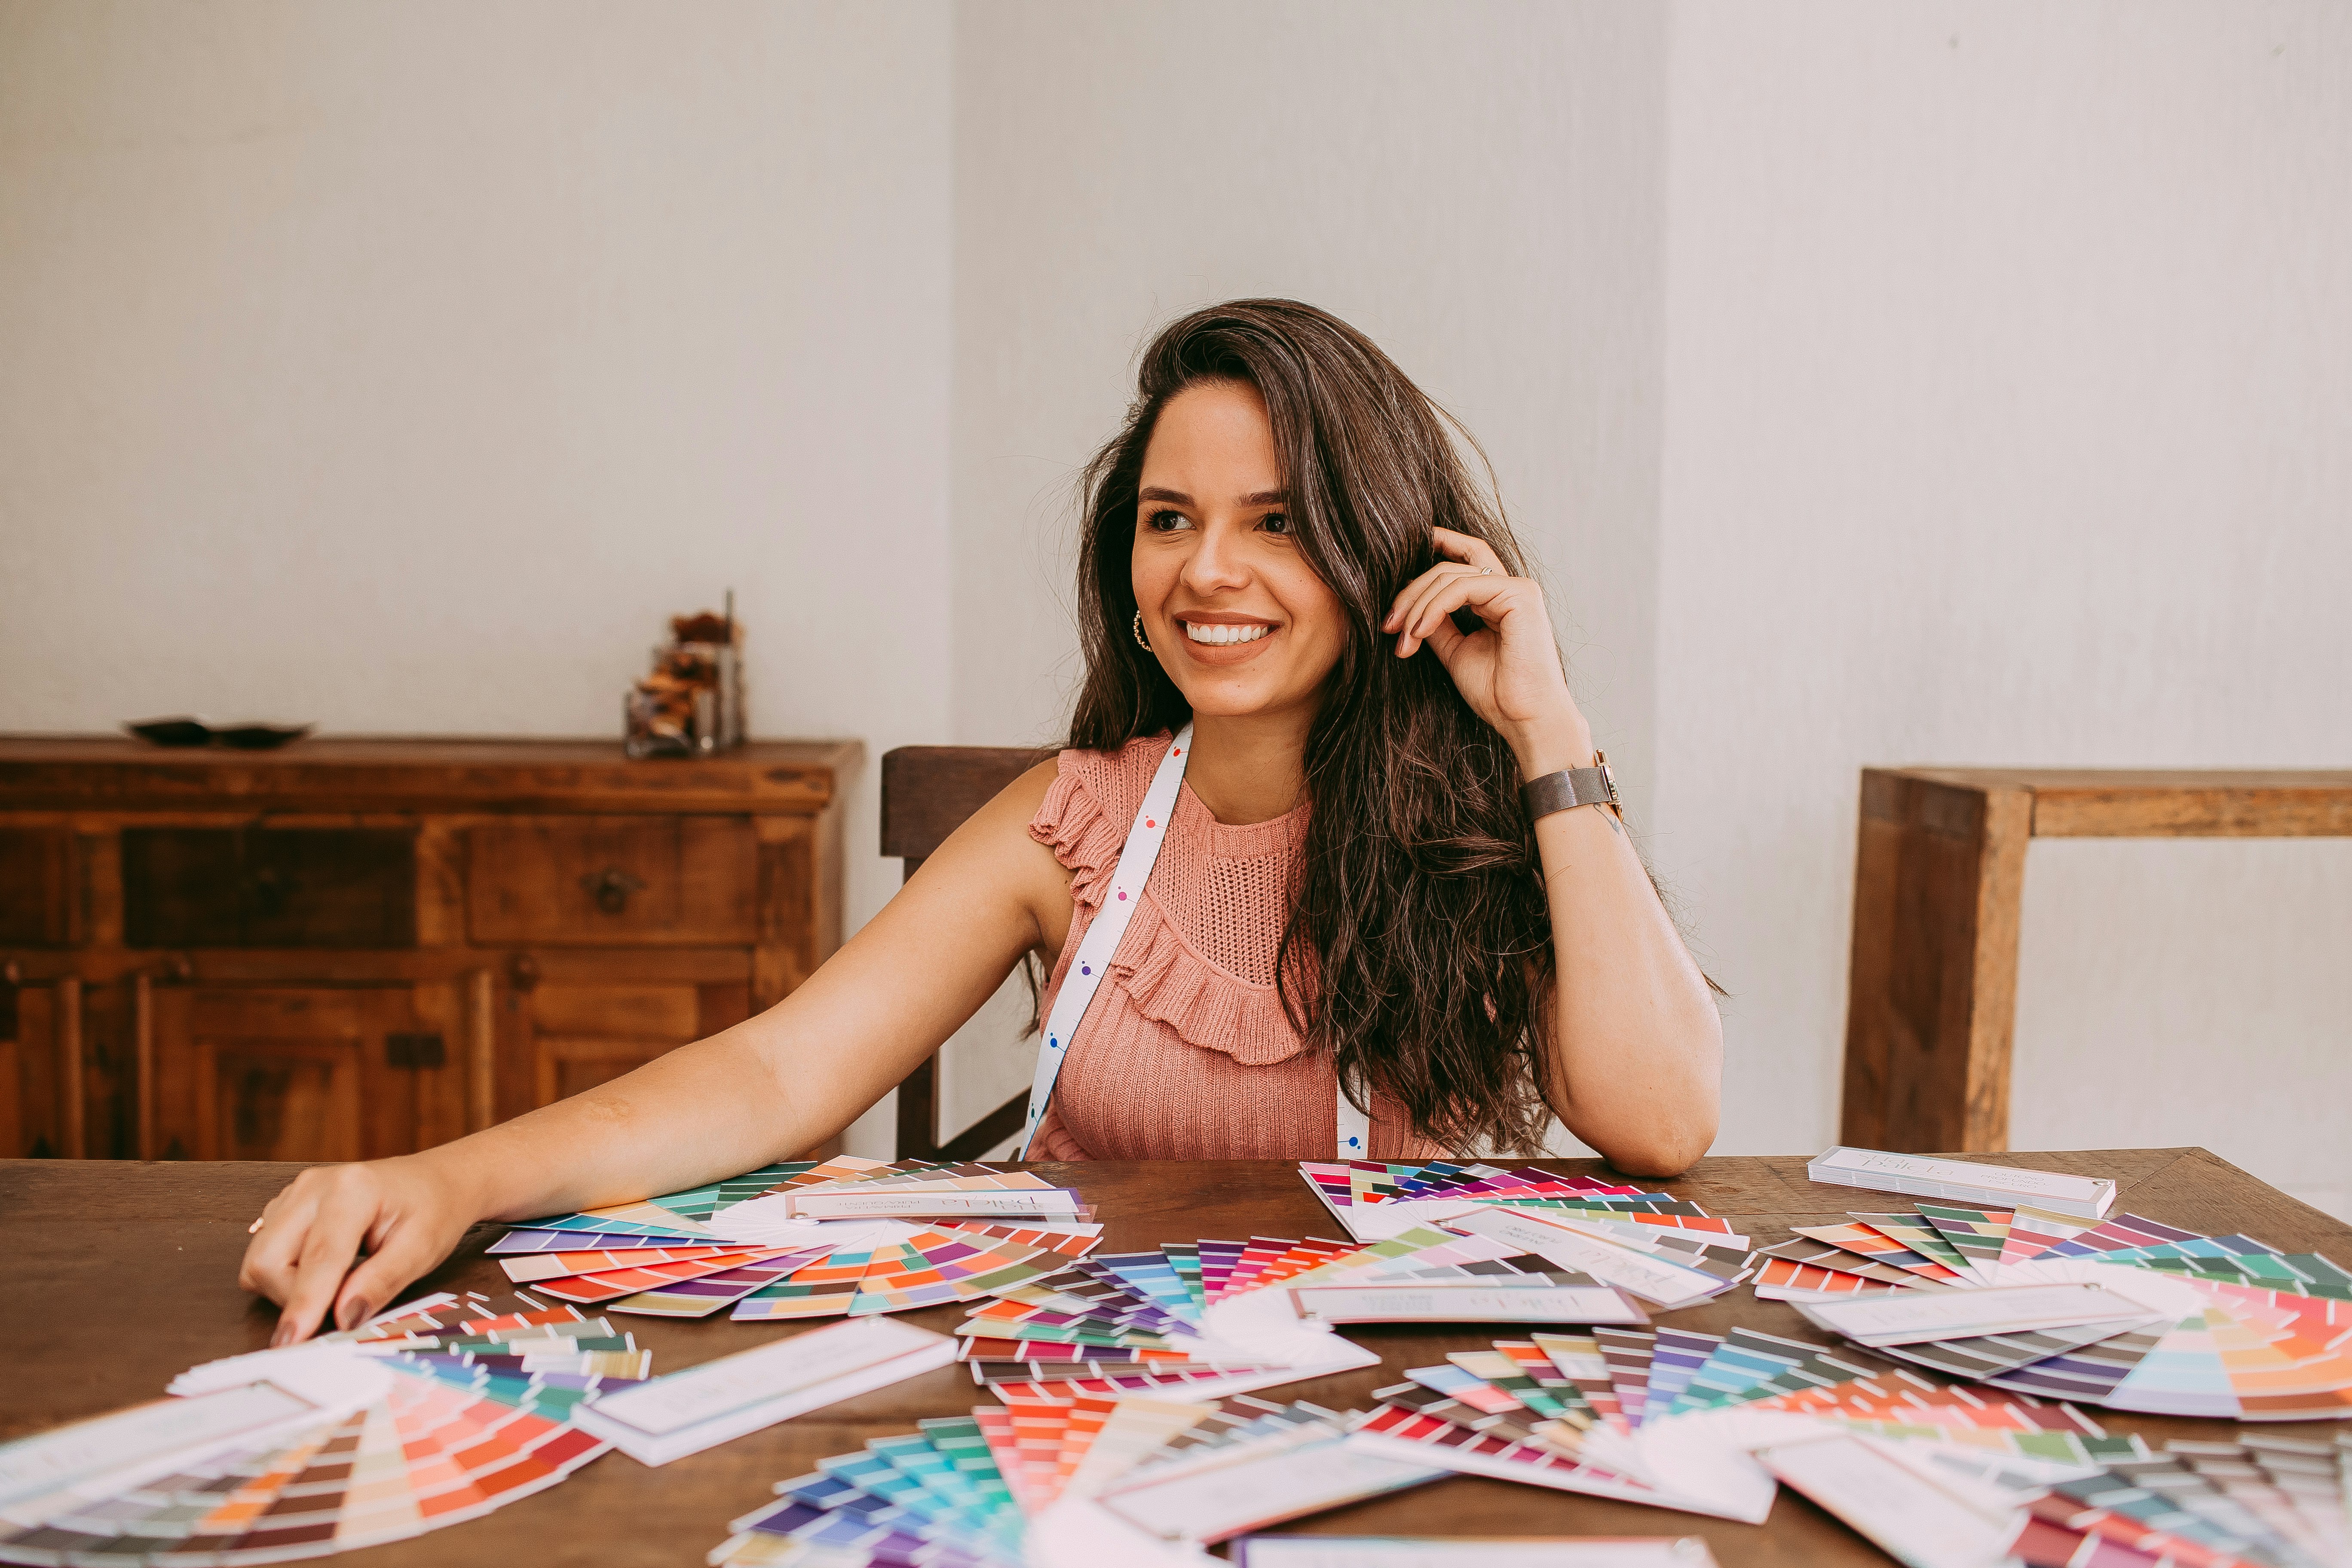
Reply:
x=354, y=947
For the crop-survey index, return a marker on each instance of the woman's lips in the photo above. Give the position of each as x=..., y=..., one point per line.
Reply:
x=1230, y=643
x=1219, y=635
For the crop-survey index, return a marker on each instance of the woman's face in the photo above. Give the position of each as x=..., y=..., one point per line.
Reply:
x=1237, y=616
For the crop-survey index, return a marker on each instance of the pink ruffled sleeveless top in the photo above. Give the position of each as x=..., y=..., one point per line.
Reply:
x=1187, y=1053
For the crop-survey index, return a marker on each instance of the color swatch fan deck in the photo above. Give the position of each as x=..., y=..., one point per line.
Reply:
x=1664, y=1250
x=445, y=1409
x=844, y=1237
x=1214, y=1318
x=1074, y=1485
x=2125, y=1312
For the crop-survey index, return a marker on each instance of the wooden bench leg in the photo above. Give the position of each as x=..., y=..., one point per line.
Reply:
x=1931, y=1005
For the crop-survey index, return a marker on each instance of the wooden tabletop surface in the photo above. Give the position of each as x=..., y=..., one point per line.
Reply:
x=121, y=1275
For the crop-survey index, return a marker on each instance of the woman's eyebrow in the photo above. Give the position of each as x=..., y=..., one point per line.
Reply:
x=1255, y=498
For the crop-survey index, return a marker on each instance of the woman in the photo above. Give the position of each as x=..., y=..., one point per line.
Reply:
x=1288, y=848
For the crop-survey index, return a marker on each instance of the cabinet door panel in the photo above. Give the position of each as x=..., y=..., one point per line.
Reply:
x=307, y=1073
x=570, y=1037
x=594, y=880
x=37, y=867
x=263, y=1099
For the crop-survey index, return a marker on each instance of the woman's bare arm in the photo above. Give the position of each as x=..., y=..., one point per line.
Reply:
x=761, y=1091
x=1637, y=1045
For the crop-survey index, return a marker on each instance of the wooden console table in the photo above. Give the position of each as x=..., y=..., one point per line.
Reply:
x=1931, y=1005
x=122, y=1274
x=353, y=948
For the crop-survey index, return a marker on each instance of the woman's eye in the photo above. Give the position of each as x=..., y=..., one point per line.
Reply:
x=1274, y=523
x=1167, y=522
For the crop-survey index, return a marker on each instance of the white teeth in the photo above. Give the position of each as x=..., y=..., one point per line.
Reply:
x=1221, y=635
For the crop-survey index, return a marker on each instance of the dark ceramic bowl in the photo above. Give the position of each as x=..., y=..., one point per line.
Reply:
x=171, y=732
x=260, y=737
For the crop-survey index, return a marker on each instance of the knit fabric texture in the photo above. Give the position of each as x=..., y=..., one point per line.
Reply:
x=1187, y=1053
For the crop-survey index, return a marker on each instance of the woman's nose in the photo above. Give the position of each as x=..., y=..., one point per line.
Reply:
x=1215, y=562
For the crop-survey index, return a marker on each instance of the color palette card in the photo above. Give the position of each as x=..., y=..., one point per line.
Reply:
x=1654, y=1276
x=1249, y=1486
x=1910, y=1318
x=687, y=1411
x=920, y=1203
x=1375, y=1200
x=1961, y=1181
x=1465, y=1301
x=1916, y=1515
x=1471, y=1551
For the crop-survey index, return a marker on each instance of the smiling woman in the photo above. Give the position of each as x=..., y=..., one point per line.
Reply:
x=1312, y=874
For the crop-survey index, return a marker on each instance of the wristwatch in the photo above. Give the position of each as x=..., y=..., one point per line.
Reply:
x=1572, y=787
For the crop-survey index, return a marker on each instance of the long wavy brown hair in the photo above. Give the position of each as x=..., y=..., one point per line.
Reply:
x=1418, y=953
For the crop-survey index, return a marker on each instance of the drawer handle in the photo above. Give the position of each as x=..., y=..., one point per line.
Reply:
x=611, y=888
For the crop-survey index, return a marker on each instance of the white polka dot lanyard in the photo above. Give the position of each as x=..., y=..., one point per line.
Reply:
x=1102, y=939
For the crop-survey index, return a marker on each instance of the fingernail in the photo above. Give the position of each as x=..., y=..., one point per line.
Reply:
x=284, y=1336
x=353, y=1313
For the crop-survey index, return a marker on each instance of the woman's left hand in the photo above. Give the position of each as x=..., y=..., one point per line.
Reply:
x=1509, y=670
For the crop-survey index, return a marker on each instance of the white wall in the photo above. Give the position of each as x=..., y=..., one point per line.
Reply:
x=2008, y=386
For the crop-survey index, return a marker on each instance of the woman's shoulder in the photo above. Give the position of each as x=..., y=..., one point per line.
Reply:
x=1090, y=803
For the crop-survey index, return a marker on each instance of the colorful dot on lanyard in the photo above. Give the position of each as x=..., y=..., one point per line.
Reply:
x=1052, y=1044
x=1084, y=969
x=1176, y=751
x=1122, y=897
x=1149, y=822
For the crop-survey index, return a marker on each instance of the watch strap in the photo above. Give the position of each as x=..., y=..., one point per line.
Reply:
x=1571, y=787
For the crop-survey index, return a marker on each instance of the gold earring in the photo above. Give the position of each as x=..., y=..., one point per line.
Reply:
x=1139, y=632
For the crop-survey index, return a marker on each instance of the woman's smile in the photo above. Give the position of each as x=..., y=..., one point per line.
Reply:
x=1223, y=638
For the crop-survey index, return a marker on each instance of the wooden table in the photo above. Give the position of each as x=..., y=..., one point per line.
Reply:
x=1931, y=1006
x=121, y=1275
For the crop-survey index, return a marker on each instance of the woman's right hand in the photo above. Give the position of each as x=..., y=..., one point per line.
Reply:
x=394, y=1219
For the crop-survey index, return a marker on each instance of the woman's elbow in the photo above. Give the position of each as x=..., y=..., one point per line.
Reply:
x=1665, y=1147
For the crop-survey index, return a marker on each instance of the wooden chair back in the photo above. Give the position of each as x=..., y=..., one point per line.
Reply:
x=927, y=792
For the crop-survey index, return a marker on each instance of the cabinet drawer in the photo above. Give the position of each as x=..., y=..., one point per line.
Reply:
x=266, y=887
x=594, y=881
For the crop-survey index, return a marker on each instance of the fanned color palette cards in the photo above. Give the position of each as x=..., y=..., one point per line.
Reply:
x=1664, y=1250
x=1214, y=1318
x=848, y=1237
x=2126, y=1313
x=1080, y=1485
x=437, y=1412
x=1710, y=1425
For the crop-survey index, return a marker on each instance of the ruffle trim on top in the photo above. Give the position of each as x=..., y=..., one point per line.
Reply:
x=1205, y=1005
x=1076, y=825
